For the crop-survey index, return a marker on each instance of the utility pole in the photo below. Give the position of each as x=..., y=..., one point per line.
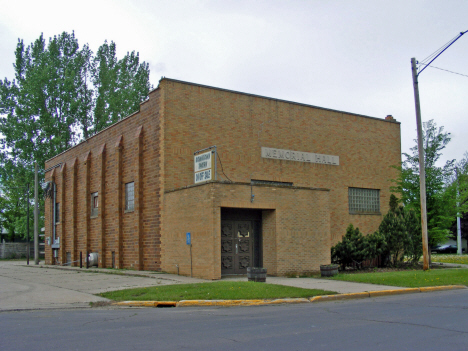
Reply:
x=36, y=216
x=459, y=242
x=27, y=224
x=422, y=169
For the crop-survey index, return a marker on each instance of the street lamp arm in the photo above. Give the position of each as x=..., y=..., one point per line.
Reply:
x=440, y=53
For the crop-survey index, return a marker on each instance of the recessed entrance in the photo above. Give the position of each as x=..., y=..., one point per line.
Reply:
x=240, y=240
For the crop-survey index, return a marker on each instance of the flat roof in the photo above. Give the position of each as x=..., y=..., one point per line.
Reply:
x=274, y=99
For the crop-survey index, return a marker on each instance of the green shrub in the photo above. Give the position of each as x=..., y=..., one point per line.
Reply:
x=414, y=250
x=352, y=249
x=402, y=233
x=376, y=245
x=399, y=236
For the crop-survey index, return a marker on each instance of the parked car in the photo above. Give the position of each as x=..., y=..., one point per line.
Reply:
x=446, y=249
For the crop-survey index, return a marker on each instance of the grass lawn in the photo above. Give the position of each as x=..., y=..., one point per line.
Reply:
x=450, y=258
x=410, y=278
x=212, y=291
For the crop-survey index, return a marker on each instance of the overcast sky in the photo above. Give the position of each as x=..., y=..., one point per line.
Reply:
x=346, y=55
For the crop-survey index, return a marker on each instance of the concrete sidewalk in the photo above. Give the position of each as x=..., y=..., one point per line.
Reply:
x=338, y=286
x=42, y=287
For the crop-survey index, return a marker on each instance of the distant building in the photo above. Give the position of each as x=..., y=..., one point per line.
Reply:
x=247, y=180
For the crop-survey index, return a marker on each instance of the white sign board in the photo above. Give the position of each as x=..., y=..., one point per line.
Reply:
x=202, y=167
x=203, y=176
x=299, y=156
x=202, y=161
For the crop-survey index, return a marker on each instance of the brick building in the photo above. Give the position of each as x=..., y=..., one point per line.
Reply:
x=256, y=181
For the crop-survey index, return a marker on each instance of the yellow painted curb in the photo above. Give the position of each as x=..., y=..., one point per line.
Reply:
x=359, y=295
x=281, y=301
x=323, y=298
x=393, y=292
x=147, y=303
x=442, y=287
x=189, y=303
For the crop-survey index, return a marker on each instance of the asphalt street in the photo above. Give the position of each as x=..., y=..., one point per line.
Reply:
x=427, y=321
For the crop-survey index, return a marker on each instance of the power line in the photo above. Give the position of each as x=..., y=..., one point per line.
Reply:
x=222, y=169
x=442, y=69
x=439, y=50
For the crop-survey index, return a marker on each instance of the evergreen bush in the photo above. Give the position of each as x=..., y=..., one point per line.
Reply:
x=402, y=233
x=399, y=237
x=352, y=249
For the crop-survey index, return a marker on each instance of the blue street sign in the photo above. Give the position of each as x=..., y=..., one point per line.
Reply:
x=189, y=239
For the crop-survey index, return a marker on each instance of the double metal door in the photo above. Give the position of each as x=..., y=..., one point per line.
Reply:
x=237, y=239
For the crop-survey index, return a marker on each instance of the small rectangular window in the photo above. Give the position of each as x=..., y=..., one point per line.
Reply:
x=129, y=196
x=94, y=204
x=57, y=212
x=363, y=200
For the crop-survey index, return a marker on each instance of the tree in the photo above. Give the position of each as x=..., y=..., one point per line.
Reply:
x=401, y=231
x=458, y=189
x=61, y=93
x=441, y=209
x=393, y=229
x=120, y=85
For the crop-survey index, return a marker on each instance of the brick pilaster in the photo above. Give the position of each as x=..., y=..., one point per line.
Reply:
x=102, y=208
x=63, y=240
x=139, y=194
x=118, y=199
x=73, y=211
x=87, y=213
x=53, y=226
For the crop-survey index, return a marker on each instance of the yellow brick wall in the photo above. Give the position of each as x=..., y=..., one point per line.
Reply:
x=239, y=125
x=298, y=224
x=295, y=227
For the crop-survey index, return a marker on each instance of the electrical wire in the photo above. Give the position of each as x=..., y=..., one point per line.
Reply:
x=439, y=52
x=446, y=70
x=435, y=53
x=222, y=169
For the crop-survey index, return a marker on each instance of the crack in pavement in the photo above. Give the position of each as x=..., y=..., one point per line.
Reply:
x=415, y=325
x=395, y=322
x=110, y=319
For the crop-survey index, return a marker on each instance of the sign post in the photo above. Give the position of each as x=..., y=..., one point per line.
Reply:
x=188, y=241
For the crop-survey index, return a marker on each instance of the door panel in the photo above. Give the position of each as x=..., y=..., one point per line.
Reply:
x=236, y=246
x=227, y=247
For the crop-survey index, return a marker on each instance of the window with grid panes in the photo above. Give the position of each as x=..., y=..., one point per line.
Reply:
x=364, y=200
x=129, y=196
x=57, y=212
x=94, y=204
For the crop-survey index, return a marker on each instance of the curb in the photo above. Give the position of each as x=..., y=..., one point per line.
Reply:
x=322, y=298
